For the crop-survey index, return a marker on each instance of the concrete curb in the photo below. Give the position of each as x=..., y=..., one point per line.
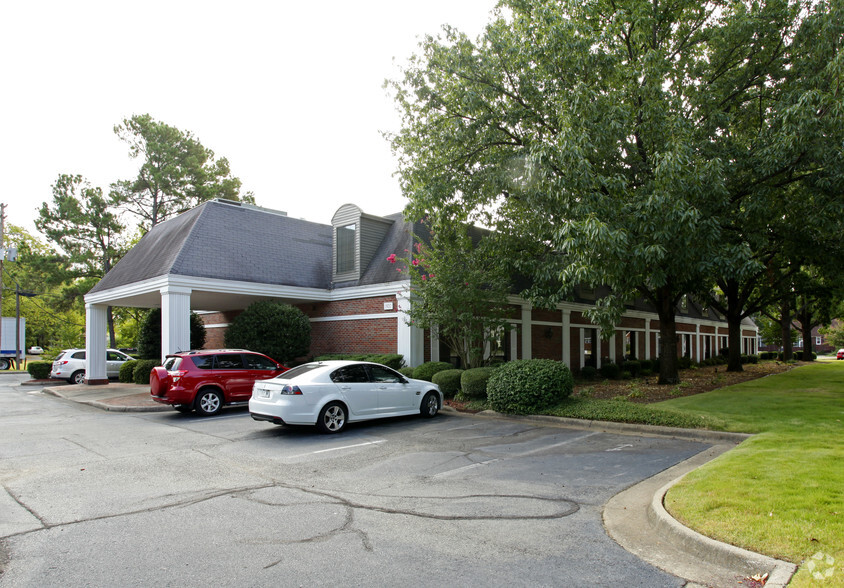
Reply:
x=712, y=551
x=627, y=428
x=102, y=405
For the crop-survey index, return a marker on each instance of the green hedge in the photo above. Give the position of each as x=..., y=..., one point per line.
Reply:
x=406, y=371
x=473, y=382
x=448, y=381
x=588, y=372
x=528, y=386
x=143, y=369
x=39, y=370
x=391, y=360
x=127, y=371
x=427, y=370
x=611, y=371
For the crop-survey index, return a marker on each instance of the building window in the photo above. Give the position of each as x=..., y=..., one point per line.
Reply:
x=346, y=249
x=818, y=341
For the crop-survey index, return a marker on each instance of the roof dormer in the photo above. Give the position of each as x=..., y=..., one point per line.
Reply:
x=357, y=236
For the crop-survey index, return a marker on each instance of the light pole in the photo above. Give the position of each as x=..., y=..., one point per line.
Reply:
x=18, y=294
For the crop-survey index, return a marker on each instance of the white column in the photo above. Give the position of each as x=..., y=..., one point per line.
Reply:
x=514, y=343
x=435, y=343
x=697, y=344
x=527, y=329
x=96, y=329
x=567, y=337
x=611, y=343
x=175, y=320
x=410, y=340
x=647, y=339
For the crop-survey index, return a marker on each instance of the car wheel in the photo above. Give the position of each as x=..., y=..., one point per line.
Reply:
x=183, y=408
x=332, y=418
x=208, y=402
x=430, y=405
x=77, y=377
x=5, y=363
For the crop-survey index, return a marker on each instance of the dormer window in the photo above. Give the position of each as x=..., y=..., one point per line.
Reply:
x=346, y=248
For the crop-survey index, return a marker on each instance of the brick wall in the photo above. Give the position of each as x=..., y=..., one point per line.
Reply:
x=363, y=336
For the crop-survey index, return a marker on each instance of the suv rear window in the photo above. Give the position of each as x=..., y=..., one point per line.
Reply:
x=229, y=361
x=172, y=364
x=78, y=355
x=203, y=362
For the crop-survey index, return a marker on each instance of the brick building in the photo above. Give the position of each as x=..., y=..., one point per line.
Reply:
x=221, y=256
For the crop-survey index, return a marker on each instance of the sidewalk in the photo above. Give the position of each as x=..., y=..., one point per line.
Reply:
x=113, y=396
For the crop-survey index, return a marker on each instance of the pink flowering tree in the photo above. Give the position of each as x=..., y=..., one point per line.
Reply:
x=459, y=287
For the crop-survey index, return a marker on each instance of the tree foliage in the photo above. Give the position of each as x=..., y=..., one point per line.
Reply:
x=278, y=330
x=177, y=173
x=459, y=287
x=629, y=144
x=149, y=336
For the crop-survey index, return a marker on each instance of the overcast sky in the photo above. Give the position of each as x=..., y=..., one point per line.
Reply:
x=290, y=92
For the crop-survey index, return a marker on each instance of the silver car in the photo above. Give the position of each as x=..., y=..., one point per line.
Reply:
x=70, y=365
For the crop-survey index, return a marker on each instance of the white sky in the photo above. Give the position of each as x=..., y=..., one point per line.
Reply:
x=290, y=92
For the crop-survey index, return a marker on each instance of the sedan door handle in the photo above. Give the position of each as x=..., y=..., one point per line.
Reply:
x=345, y=387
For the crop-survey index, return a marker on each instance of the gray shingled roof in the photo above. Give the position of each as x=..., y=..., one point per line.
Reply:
x=229, y=242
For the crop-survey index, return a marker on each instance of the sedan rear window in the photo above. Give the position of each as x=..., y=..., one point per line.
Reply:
x=299, y=370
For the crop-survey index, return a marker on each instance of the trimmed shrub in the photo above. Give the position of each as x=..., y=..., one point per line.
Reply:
x=142, y=370
x=127, y=371
x=610, y=371
x=406, y=371
x=149, y=337
x=39, y=370
x=633, y=366
x=273, y=328
x=427, y=370
x=391, y=360
x=684, y=363
x=473, y=382
x=588, y=372
x=529, y=385
x=448, y=381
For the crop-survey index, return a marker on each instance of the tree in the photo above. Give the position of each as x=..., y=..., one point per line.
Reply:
x=459, y=287
x=149, y=335
x=277, y=330
x=177, y=173
x=624, y=136
x=82, y=225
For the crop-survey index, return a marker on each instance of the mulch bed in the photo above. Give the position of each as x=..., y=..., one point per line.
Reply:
x=646, y=390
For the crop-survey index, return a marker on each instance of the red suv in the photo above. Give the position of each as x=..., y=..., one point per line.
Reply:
x=206, y=380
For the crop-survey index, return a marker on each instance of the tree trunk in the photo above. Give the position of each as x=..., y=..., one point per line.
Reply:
x=785, y=329
x=668, y=366
x=734, y=345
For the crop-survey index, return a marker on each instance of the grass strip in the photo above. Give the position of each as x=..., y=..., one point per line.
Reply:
x=621, y=411
x=782, y=492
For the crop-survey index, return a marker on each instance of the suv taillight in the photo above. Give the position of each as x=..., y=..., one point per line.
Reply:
x=177, y=375
x=291, y=391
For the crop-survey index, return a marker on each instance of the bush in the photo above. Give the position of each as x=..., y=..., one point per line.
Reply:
x=427, y=370
x=127, y=371
x=277, y=330
x=684, y=363
x=588, y=372
x=406, y=371
x=633, y=366
x=143, y=367
x=749, y=359
x=149, y=337
x=529, y=385
x=448, y=381
x=473, y=382
x=611, y=371
x=391, y=360
x=39, y=370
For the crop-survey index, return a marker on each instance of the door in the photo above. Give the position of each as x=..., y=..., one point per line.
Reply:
x=393, y=394
x=360, y=394
x=113, y=362
x=232, y=377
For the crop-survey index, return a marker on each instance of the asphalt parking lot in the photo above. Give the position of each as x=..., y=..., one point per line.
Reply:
x=98, y=498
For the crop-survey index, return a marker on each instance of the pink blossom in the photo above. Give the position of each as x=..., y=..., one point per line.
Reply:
x=424, y=277
x=391, y=258
x=418, y=247
x=398, y=269
x=415, y=262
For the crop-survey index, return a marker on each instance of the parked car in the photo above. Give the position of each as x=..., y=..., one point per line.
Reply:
x=840, y=354
x=35, y=350
x=208, y=379
x=330, y=394
x=70, y=365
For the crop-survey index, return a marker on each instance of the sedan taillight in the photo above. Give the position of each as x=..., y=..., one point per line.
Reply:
x=288, y=390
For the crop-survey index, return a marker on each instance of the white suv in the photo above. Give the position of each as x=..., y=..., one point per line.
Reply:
x=70, y=365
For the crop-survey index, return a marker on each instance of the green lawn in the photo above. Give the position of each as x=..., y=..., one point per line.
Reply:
x=782, y=492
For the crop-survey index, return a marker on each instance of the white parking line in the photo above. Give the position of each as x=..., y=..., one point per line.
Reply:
x=337, y=448
x=466, y=467
x=620, y=447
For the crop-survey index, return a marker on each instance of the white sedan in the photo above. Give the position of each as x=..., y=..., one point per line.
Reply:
x=330, y=394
